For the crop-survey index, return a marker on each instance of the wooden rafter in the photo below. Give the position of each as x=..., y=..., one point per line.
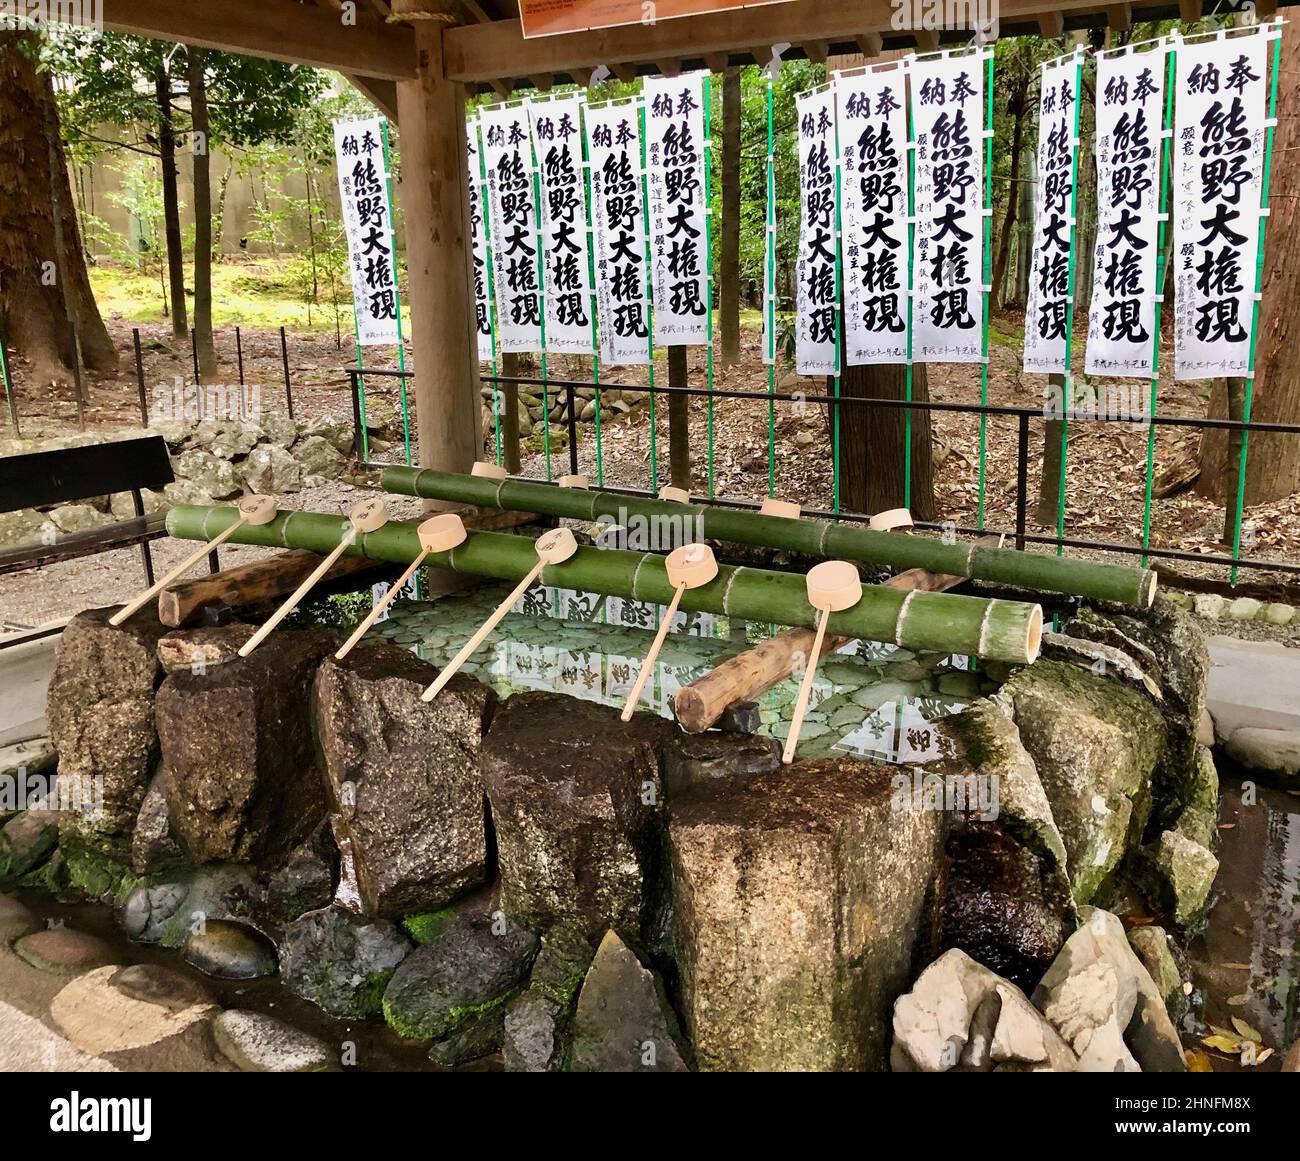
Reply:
x=279, y=29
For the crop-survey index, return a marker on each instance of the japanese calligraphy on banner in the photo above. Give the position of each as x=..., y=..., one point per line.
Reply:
x=1130, y=114
x=871, y=114
x=557, y=131
x=947, y=124
x=1219, y=152
x=817, y=349
x=478, y=239
x=513, y=227
x=1047, y=313
x=618, y=220
x=367, y=221
x=678, y=203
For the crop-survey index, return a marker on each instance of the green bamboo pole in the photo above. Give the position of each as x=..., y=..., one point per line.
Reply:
x=1027, y=570
x=769, y=296
x=929, y=622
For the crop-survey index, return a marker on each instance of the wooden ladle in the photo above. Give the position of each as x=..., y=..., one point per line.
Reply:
x=688, y=567
x=366, y=516
x=437, y=534
x=833, y=585
x=252, y=510
x=552, y=547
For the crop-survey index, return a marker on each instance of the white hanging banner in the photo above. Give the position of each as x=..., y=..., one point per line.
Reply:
x=368, y=224
x=817, y=349
x=478, y=238
x=948, y=123
x=513, y=224
x=1047, y=313
x=618, y=221
x=678, y=203
x=1218, y=174
x=557, y=130
x=1130, y=114
x=871, y=112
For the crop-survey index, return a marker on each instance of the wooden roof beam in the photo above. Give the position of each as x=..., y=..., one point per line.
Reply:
x=816, y=50
x=870, y=43
x=1119, y=17
x=1051, y=25
x=1191, y=10
x=278, y=29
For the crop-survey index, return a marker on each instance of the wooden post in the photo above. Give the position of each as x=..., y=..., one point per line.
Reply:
x=435, y=201
x=679, y=421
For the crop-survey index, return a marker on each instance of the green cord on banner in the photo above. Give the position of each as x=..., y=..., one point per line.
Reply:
x=1166, y=180
x=9, y=387
x=1259, y=282
x=1069, y=305
x=397, y=301
x=591, y=275
x=708, y=250
x=769, y=296
x=650, y=329
x=839, y=335
x=986, y=265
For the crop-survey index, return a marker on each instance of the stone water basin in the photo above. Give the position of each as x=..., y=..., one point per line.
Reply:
x=870, y=700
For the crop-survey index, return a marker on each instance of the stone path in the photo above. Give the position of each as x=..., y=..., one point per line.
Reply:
x=27, y=1045
x=1254, y=699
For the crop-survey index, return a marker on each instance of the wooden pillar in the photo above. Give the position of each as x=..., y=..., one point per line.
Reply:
x=435, y=204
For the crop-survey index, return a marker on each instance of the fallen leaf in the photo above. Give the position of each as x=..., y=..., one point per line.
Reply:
x=1198, y=1061
x=1246, y=1030
x=1228, y=1044
x=1238, y=1001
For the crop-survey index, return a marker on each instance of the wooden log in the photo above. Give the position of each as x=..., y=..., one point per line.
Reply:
x=748, y=675
x=266, y=579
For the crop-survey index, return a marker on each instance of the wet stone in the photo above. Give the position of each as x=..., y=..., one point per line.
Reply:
x=698, y=763
x=15, y=920
x=254, y=1042
x=153, y=983
x=230, y=951
x=340, y=961
x=61, y=951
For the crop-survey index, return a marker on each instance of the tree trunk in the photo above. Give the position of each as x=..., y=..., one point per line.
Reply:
x=679, y=422
x=35, y=270
x=1272, y=461
x=872, y=464
x=1025, y=241
x=1007, y=233
x=729, y=274
x=171, y=205
x=202, y=152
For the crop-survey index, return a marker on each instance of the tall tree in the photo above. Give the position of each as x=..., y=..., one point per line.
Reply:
x=171, y=199
x=200, y=149
x=729, y=272
x=1272, y=461
x=43, y=282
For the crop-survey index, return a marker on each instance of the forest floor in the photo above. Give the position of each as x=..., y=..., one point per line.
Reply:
x=1106, y=462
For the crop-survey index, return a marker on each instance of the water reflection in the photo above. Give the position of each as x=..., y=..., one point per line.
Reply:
x=869, y=699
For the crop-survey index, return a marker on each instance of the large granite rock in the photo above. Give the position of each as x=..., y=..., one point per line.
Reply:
x=100, y=709
x=403, y=776
x=340, y=961
x=239, y=759
x=624, y=1022
x=1105, y=1004
x=800, y=901
x=1095, y=744
x=961, y=1017
x=576, y=802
